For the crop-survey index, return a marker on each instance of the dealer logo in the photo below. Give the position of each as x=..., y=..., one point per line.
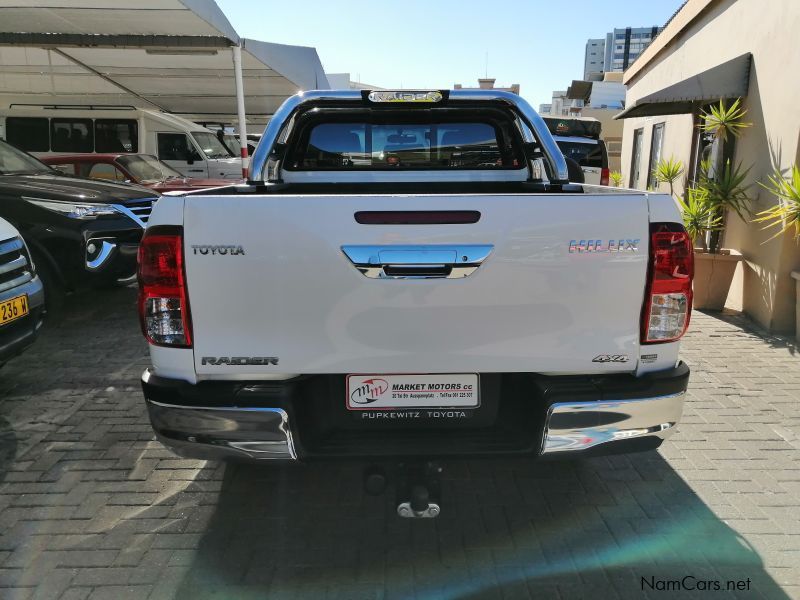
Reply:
x=369, y=391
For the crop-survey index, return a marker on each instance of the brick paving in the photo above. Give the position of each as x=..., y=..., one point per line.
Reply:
x=92, y=507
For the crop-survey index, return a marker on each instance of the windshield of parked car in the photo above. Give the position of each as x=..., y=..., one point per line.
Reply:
x=147, y=168
x=211, y=145
x=232, y=143
x=16, y=162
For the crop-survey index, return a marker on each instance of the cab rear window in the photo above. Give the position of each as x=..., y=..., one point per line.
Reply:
x=362, y=145
x=586, y=154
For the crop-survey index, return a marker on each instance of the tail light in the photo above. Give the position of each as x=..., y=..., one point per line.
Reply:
x=668, y=302
x=163, y=302
x=603, y=176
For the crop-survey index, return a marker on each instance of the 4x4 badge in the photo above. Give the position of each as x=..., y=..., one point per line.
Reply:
x=605, y=358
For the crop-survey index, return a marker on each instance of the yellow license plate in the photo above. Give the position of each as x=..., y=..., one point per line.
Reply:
x=13, y=308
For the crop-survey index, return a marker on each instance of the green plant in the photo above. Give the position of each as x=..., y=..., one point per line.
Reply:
x=726, y=189
x=616, y=178
x=722, y=120
x=699, y=216
x=668, y=171
x=786, y=213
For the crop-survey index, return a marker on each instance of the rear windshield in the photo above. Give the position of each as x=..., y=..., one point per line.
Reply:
x=361, y=145
x=584, y=153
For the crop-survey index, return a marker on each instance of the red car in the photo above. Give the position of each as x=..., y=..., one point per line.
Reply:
x=142, y=169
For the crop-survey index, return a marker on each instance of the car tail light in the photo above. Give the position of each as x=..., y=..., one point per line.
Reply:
x=668, y=302
x=163, y=302
x=603, y=176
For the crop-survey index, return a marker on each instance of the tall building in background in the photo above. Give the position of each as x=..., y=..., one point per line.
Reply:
x=623, y=46
x=619, y=49
x=594, y=60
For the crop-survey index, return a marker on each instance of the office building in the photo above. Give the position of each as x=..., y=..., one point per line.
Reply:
x=617, y=51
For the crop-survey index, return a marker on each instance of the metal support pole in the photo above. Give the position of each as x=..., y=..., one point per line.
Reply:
x=237, y=73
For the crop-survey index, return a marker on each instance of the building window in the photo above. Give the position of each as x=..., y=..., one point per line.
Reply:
x=656, y=142
x=636, y=155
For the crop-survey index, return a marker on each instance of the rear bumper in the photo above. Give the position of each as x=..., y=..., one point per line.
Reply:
x=539, y=416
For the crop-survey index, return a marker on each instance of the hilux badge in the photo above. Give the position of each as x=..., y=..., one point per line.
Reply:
x=600, y=246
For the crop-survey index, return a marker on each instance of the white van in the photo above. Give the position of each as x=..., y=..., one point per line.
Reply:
x=187, y=147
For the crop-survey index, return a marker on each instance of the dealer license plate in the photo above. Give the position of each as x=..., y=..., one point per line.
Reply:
x=367, y=392
x=13, y=308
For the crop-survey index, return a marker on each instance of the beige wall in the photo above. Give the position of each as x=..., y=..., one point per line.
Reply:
x=611, y=133
x=725, y=29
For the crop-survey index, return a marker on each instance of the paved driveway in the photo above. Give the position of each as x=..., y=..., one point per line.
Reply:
x=91, y=507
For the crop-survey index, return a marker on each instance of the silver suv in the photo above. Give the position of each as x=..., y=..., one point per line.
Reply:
x=21, y=294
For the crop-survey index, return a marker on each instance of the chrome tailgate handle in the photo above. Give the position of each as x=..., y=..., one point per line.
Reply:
x=417, y=262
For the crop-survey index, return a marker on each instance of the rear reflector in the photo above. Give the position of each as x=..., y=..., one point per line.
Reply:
x=163, y=302
x=668, y=302
x=417, y=217
x=603, y=176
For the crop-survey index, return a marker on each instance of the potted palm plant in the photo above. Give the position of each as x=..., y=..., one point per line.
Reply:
x=784, y=215
x=725, y=191
x=668, y=171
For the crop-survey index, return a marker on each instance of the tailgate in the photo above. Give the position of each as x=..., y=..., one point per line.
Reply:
x=531, y=305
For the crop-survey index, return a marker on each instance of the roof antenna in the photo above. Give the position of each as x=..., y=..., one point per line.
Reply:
x=487, y=65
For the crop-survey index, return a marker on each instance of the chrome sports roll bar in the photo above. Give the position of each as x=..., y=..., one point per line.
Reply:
x=261, y=172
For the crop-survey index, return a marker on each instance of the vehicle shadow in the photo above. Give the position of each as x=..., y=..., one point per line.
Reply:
x=607, y=527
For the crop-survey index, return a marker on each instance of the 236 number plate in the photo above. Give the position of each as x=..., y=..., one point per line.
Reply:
x=13, y=309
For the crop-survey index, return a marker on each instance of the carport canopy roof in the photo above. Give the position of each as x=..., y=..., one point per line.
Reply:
x=162, y=54
x=725, y=81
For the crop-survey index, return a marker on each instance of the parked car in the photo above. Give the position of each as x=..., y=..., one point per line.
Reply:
x=79, y=231
x=411, y=276
x=579, y=140
x=185, y=146
x=21, y=295
x=143, y=169
x=231, y=140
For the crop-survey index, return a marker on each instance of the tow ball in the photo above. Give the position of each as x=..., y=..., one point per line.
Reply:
x=418, y=488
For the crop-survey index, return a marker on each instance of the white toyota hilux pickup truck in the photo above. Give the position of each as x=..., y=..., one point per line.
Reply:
x=410, y=275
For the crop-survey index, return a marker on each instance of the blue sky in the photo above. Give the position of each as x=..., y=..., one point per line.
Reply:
x=436, y=43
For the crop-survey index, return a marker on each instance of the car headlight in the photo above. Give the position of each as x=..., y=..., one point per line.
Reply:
x=76, y=210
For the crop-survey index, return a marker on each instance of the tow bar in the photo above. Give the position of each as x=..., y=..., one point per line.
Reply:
x=418, y=488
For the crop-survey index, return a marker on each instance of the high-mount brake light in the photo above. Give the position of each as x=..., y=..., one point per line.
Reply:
x=163, y=301
x=405, y=96
x=668, y=302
